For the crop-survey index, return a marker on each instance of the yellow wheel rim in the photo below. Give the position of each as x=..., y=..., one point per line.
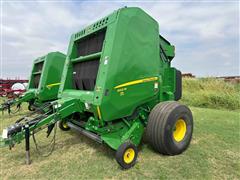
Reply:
x=64, y=124
x=180, y=130
x=129, y=155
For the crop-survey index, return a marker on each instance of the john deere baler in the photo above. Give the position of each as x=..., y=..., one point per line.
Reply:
x=118, y=82
x=44, y=82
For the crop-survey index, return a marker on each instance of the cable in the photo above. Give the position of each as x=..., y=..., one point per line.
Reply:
x=52, y=143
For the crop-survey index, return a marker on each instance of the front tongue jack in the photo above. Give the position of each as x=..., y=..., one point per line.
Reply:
x=27, y=144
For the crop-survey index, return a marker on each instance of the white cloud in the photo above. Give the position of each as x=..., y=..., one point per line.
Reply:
x=204, y=33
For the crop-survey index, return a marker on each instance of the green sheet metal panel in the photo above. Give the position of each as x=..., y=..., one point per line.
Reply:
x=134, y=56
x=49, y=76
x=130, y=54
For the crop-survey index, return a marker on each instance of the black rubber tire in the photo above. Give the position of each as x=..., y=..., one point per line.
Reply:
x=31, y=107
x=161, y=123
x=120, y=155
x=62, y=126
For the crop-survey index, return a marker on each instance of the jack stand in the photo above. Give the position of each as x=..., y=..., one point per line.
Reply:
x=27, y=143
x=9, y=109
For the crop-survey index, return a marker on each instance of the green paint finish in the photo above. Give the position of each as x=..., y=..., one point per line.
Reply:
x=48, y=69
x=50, y=76
x=124, y=133
x=131, y=52
x=27, y=96
x=131, y=55
x=134, y=75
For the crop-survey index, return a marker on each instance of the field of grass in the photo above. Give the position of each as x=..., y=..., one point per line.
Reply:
x=213, y=154
x=211, y=93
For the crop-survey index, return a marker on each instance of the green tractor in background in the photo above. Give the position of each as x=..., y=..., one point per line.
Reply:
x=117, y=82
x=43, y=84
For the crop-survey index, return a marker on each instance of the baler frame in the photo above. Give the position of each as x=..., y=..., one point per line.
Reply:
x=114, y=102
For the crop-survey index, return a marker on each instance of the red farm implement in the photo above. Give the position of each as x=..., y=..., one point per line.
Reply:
x=12, y=87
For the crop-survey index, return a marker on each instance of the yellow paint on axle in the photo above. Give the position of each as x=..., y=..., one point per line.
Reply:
x=136, y=82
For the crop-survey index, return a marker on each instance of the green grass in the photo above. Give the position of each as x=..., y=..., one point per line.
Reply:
x=213, y=154
x=211, y=93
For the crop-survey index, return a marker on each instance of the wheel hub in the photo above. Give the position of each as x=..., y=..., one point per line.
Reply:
x=180, y=130
x=129, y=155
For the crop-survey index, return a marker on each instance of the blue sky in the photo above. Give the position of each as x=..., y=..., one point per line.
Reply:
x=205, y=34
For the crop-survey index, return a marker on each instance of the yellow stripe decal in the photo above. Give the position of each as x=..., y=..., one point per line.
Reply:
x=99, y=112
x=136, y=82
x=54, y=84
